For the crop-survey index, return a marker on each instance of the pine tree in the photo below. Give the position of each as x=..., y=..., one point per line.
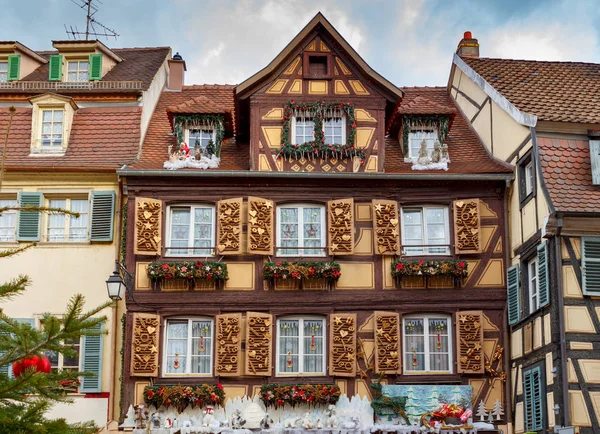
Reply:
x=498, y=410
x=481, y=411
x=25, y=400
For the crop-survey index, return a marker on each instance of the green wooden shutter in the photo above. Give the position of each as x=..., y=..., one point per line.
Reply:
x=14, y=67
x=103, y=210
x=534, y=399
x=91, y=362
x=28, y=226
x=543, y=280
x=95, y=66
x=514, y=297
x=590, y=265
x=55, y=68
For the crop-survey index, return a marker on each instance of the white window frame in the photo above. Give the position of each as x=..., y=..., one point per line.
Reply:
x=52, y=134
x=205, y=128
x=343, y=137
x=426, y=350
x=308, y=118
x=4, y=72
x=529, y=178
x=293, y=127
x=300, y=251
x=412, y=137
x=67, y=224
x=301, y=351
x=191, y=247
x=14, y=201
x=533, y=286
x=78, y=71
x=190, y=320
x=425, y=250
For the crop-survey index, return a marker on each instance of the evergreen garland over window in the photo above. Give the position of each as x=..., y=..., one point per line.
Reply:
x=198, y=122
x=439, y=123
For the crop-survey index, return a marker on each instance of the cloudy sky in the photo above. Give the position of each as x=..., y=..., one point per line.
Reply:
x=410, y=42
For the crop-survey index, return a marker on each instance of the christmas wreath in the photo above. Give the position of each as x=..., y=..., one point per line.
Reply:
x=301, y=270
x=279, y=395
x=188, y=270
x=181, y=396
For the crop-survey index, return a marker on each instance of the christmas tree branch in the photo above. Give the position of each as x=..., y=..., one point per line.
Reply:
x=11, y=252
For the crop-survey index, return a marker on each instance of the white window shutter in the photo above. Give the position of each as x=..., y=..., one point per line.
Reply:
x=595, y=161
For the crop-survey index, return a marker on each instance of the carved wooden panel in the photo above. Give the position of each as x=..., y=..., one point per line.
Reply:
x=342, y=344
x=469, y=336
x=467, y=226
x=341, y=226
x=259, y=338
x=145, y=342
x=229, y=226
x=260, y=226
x=228, y=345
x=386, y=227
x=387, y=343
x=148, y=218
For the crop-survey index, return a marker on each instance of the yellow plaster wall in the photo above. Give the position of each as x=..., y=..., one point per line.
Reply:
x=519, y=421
x=579, y=413
x=241, y=276
x=364, y=245
x=363, y=136
x=550, y=409
x=493, y=275
x=547, y=330
x=581, y=345
x=272, y=136
x=142, y=282
x=363, y=212
x=549, y=375
x=571, y=288
x=571, y=375
x=232, y=392
x=528, y=219
x=277, y=87
x=578, y=320
x=363, y=115
x=516, y=344
x=388, y=280
x=356, y=275
x=595, y=397
x=317, y=87
x=537, y=333
x=590, y=369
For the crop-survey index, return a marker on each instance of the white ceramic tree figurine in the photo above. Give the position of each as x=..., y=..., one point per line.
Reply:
x=498, y=410
x=481, y=411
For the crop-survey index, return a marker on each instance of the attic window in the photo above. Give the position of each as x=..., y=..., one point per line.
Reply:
x=317, y=66
x=3, y=71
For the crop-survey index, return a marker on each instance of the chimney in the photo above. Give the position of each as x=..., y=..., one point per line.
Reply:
x=177, y=70
x=468, y=47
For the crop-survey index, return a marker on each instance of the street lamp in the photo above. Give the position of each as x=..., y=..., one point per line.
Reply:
x=115, y=286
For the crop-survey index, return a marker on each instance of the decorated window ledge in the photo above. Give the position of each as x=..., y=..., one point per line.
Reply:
x=187, y=275
x=318, y=148
x=181, y=397
x=427, y=271
x=280, y=395
x=311, y=275
x=192, y=155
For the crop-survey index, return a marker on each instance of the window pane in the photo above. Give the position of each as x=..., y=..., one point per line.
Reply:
x=201, y=347
x=47, y=115
x=177, y=338
x=7, y=220
x=312, y=230
x=58, y=116
x=288, y=230
x=289, y=346
x=72, y=66
x=313, y=346
x=180, y=230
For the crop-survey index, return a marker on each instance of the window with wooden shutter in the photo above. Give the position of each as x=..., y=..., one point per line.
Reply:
x=148, y=222
x=467, y=226
x=513, y=284
x=533, y=396
x=340, y=219
x=55, y=68
x=103, y=211
x=342, y=344
x=229, y=226
x=229, y=345
x=14, y=67
x=543, y=278
x=386, y=227
x=260, y=226
x=95, y=66
x=469, y=337
x=259, y=343
x=28, y=226
x=590, y=265
x=145, y=342
x=91, y=361
x=387, y=343
x=595, y=161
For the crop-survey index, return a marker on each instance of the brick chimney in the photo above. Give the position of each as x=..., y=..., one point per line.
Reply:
x=468, y=46
x=177, y=70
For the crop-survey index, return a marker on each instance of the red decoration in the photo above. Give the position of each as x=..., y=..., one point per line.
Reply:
x=40, y=364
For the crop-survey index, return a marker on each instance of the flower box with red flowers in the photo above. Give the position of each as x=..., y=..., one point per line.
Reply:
x=458, y=270
x=182, y=397
x=190, y=271
x=280, y=395
x=306, y=272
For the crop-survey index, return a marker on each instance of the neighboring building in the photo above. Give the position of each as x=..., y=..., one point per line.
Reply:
x=267, y=203
x=543, y=118
x=81, y=113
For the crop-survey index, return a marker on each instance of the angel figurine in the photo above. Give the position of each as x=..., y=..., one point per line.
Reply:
x=423, y=159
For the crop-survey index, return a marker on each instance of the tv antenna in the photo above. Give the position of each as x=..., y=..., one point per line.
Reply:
x=91, y=23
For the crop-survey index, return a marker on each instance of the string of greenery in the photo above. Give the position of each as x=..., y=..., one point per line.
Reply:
x=429, y=268
x=439, y=123
x=188, y=270
x=301, y=270
x=200, y=121
x=182, y=397
x=122, y=352
x=318, y=112
x=279, y=395
x=123, y=235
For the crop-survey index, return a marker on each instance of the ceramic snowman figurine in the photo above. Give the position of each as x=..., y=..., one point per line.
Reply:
x=209, y=417
x=331, y=417
x=307, y=422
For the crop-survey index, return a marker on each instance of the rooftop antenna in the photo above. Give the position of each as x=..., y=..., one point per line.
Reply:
x=90, y=24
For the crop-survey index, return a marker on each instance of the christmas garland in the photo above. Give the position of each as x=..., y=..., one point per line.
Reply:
x=440, y=123
x=278, y=395
x=199, y=121
x=182, y=397
x=429, y=268
x=301, y=270
x=188, y=270
x=318, y=111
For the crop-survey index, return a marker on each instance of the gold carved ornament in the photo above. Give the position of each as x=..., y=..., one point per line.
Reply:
x=469, y=330
x=229, y=345
x=386, y=227
x=496, y=372
x=342, y=344
x=341, y=226
x=229, y=226
x=467, y=226
x=260, y=226
x=148, y=217
x=144, y=345
x=387, y=343
x=259, y=334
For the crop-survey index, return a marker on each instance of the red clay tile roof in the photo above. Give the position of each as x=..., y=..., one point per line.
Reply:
x=102, y=139
x=467, y=153
x=568, y=174
x=553, y=91
x=425, y=101
x=234, y=156
x=200, y=104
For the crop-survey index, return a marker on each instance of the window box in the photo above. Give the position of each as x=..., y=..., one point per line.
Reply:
x=205, y=285
x=315, y=284
x=178, y=284
x=182, y=397
x=433, y=273
x=310, y=275
x=285, y=284
x=180, y=276
x=279, y=395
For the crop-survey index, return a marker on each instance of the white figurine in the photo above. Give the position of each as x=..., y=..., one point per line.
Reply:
x=156, y=419
x=290, y=422
x=141, y=416
x=436, y=155
x=307, y=422
x=168, y=423
x=423, y=159
x=445, y=154
x=331, y=417
x=319, y=424
x=237, y=422
x=266, y=422
x=353, y=424
x=209, y=418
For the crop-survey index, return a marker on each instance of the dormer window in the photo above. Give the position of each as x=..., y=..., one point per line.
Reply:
x=200, y=138
x=75, y=68
x=52, y=118
x=415, y=138
x=78, y=70
x=52, y=127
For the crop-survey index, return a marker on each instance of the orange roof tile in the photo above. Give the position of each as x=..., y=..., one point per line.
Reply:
x=200, y=104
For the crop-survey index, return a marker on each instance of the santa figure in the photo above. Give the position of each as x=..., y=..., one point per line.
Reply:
x=184, y=150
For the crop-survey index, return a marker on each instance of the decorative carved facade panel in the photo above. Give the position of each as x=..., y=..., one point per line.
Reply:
x=386, y=227
x=145, y=343
x=387, y=343
x=342, y=344
x=229, y=226
x=469, y=334
x=341, y=226
x=260, y=226
x=259, y=338
x=148, y=217
x=467, y=226
x=228, y=345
